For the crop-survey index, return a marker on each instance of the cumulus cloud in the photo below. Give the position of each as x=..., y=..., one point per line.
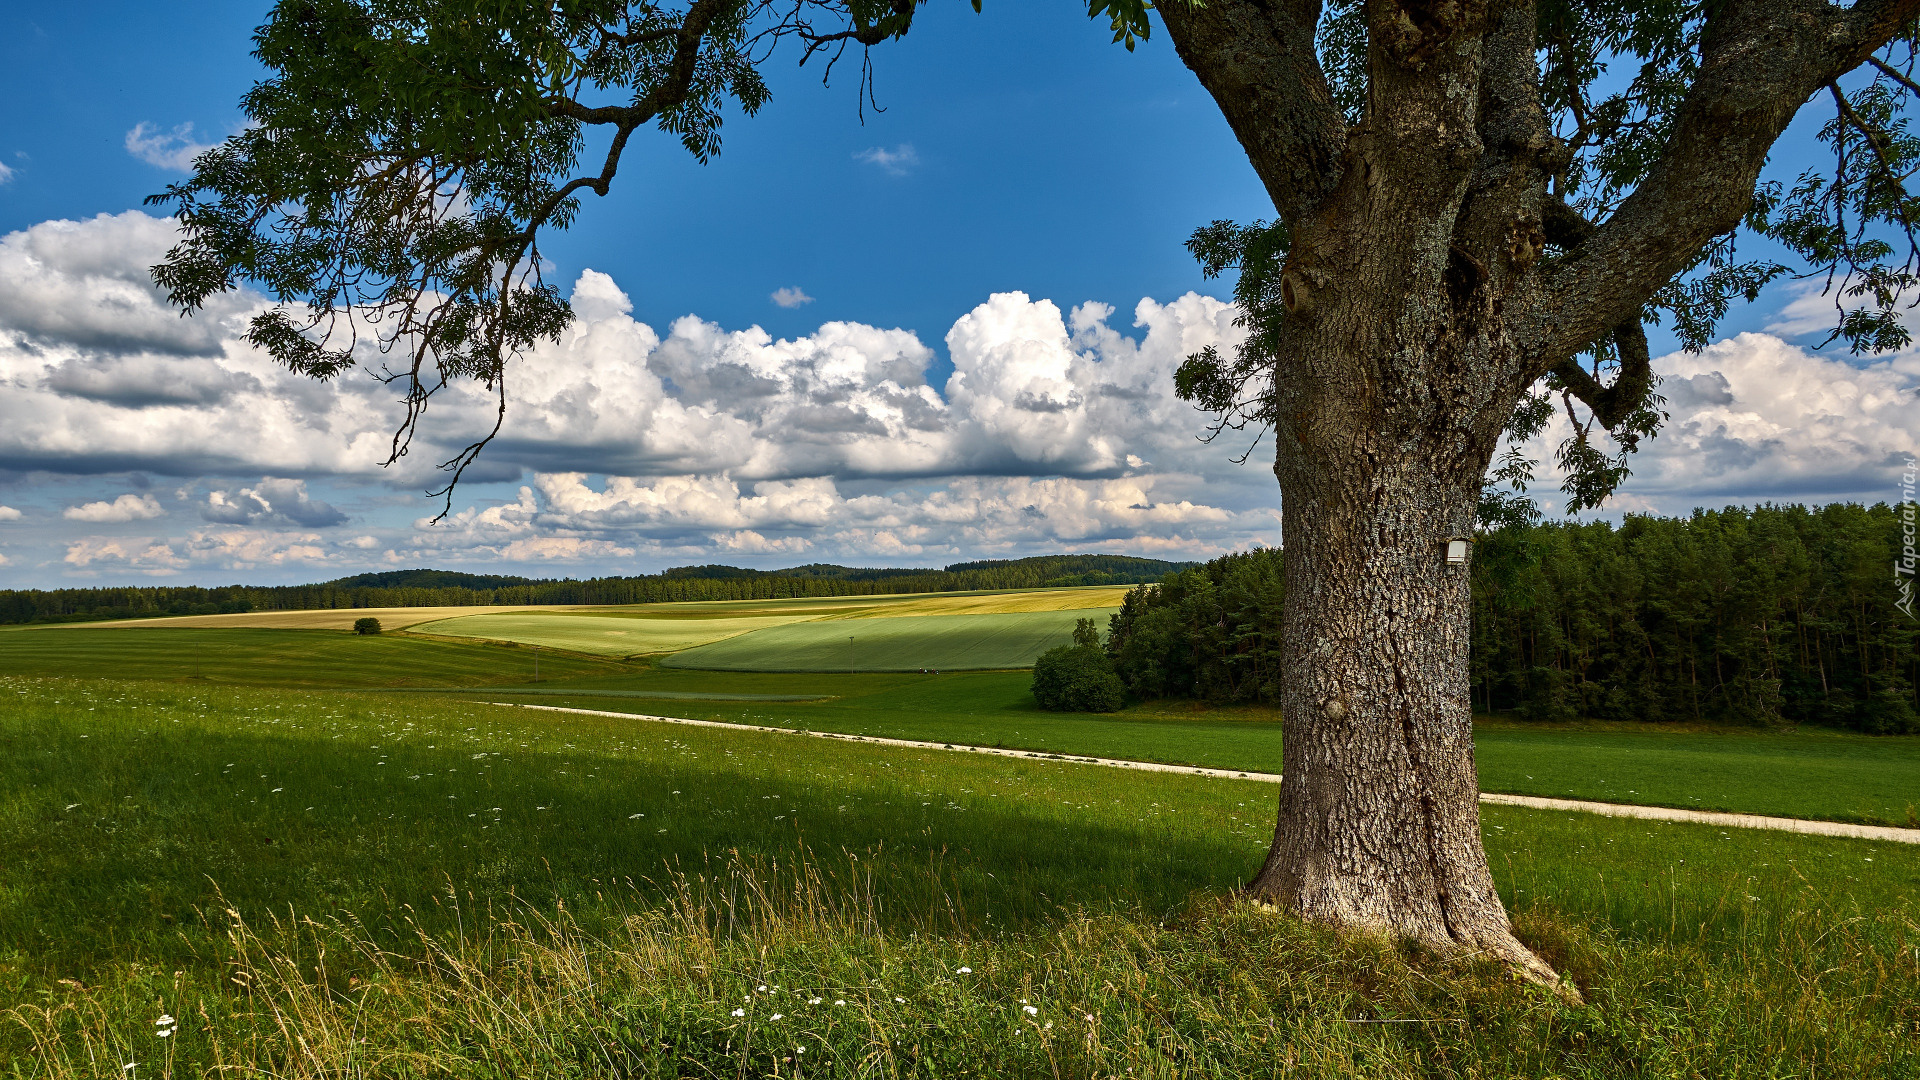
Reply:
x=103, y=376
x=172, y=150
x=641, y=445
x=790, y=296
x=8, y=513
x=248, y=549
x=211, y=549
x=80, y=290
x=1756, y=418
x=271, y=501
x=150, y=556
x=128, y=507
x=898, y=161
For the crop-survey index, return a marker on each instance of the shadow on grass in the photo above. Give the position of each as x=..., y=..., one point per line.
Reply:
x=118, y=834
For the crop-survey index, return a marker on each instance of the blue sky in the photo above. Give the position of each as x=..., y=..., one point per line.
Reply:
x=939, y=254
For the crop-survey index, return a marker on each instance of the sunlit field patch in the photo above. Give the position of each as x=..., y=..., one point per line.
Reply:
x=925, y=642
x=603, y=634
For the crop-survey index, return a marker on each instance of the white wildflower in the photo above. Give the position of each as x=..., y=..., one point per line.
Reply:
x=739, y=1012
x=1030, y=1010
x=963, y=971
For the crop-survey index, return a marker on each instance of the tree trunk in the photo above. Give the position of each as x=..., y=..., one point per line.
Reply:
x=1379, y=824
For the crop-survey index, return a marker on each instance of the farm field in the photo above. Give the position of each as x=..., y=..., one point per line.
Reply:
x=326, y=619
x=1873, y=780
x=649, y=629
x=936, y=642
x=256, y=657
x=141, y=824
x=605, y=635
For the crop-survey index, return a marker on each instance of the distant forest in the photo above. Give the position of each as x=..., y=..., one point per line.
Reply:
x=446, y=588
x=1776, y=615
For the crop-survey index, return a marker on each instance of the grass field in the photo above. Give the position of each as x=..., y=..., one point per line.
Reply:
x=936, y=642
x=1826, y=775
x=1874, y=780
x=495, y=892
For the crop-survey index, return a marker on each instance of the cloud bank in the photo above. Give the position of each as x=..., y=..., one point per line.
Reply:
x=629, y=447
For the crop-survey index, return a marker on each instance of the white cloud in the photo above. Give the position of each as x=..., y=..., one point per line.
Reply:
x=790, y=296
x=102, y=376
x=1756, y=419
x=172, y=150
x=128, y=507
x=898, y=161
x=6, y=172
x=283, y=502
x=684, y=444
x=248, y=549
x=8, y=513
x=151, y=556
x=540, y=549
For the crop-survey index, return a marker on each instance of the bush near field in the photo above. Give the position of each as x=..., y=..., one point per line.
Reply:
x=1078, y=677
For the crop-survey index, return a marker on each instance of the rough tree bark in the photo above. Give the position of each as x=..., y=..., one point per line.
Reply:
x=1419, y=308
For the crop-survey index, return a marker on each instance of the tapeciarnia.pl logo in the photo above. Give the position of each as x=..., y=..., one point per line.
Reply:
x=1903, y=564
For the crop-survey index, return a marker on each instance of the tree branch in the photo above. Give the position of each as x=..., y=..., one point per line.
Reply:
x=1613, y=404
x=1761, y=59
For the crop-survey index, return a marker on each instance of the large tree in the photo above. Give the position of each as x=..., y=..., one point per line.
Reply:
x=1480, y=204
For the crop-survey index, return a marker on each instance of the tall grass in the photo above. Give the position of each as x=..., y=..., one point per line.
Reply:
x=763, y=968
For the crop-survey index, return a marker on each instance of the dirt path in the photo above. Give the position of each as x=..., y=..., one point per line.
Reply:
x=1650, y=813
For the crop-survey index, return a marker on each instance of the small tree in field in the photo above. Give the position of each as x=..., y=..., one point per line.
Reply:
x=366, y=626
x=1479, y=205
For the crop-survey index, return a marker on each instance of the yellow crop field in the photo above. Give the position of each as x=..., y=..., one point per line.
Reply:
x=324, y=619
x=639, y=629
x=1004, y=603
x=602, y=635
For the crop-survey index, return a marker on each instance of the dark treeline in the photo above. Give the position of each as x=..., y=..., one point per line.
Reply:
x=1765, y=616
x=1776, y=615
x=443, y=588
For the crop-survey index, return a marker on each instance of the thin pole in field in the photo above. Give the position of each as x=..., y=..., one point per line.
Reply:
x=849, y=654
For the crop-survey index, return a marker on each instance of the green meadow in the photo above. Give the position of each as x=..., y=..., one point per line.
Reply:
x=1810, y=774
x=331, y=855
x=274, y=868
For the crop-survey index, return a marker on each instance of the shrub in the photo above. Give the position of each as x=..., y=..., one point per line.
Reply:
x=366, y=626
x=1077, y=678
